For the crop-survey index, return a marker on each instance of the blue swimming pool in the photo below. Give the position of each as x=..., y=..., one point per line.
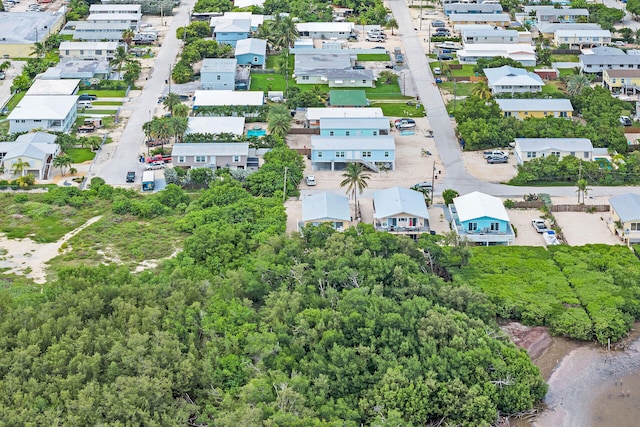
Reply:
x=256, y=132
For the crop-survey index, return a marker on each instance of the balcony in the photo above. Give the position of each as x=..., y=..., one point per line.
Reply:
x=483, y=236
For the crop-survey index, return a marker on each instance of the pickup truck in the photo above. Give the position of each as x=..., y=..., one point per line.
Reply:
x=495, y=153
x=539, y=225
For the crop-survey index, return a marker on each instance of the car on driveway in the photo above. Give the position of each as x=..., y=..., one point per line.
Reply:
x=405, y=123
x=310, y=180
x=421, y=186
x=87, y=97
x=155, y=165
x=539, y=225
x=131, y=176
x=625, y=121
x=497, y=159
x=438, y=23
x=495, y=153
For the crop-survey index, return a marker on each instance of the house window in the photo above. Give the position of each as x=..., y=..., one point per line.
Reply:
x=573, y=153
x=495, y=226
x=635, y=226
x=366, y=154
x=98, y=51
x=37, y=120
x=218, y=77
x=200, y=159
x=386, y=154
x=347, y=133
x=305, y=77
x=364, y=82
x=413, y=222
x=331, y=133
x=586, y=154
x=563, y=114
x=531, y=154
x=526, y=113
x=472, y=226
x=182, y=159
x=555, y=153
x=66, y=52
x=613, y=80
x=255, y=59
x=340, y=154
x=319, y=154
x=375, y=133
x=236, y=159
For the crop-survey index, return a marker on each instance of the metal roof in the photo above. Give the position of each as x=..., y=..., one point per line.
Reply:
x=219, y=65
x=234, y=125
x=53, y=87
x=252, y=46
x=627, y=206
x=489, y=32
x=355, y=123
x=38, y=151
x=75, y=45
x=479, y=17
x=398, y=200
x=351, y=143
x=325, y=27
x=53, y=107
x=211, y=149
x=576, y=34
x=552, y=11
x=534, y=104
x=319, y=113
x=84, y=26
x=325, y=206
x=231, y=25
x=204, y=98
x=472, y=7
x=610, y=59
x=560, y=144
x=37, y=137
x=114, y=8
x=479, y=205
x=349, y=74
x=510, y=76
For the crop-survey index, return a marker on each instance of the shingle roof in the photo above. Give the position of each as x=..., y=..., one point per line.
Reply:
x=398, y=200
x=627, y=206
x=622, y=73
x=477, y=205
x=325, y=206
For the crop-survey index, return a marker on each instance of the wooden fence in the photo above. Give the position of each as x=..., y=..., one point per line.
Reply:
x=580, y=208
x=304, y=131
x=535, y=204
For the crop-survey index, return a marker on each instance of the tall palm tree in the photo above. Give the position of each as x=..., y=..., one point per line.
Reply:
x=39, y=49
x=20, y=166
x=278, y=122
x=355, y=179
x=481, y=90
x=180, y=125
x=577, y=83
x=392, y=24
x=119, y=59
x=127, y=37
x=180, y=110
x=582, y=189
x=171, y=100
x=162, y=129
x=62, y=161
x=286, y=32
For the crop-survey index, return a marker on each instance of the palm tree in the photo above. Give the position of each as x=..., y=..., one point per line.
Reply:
x=5, y=66
x=355, y=179
x=180, y=126
x=171, y=100
x=180, y=110
x=19, y=167
x=132, y=69
x=162, y=129
x=119, y=59
x=582, y=189
x=577, y=83
x=392, y=24
x=278, y=121
x=285, y=33
x=481, y=90
x=127, y=37
x=62, y=161
x=39, y=49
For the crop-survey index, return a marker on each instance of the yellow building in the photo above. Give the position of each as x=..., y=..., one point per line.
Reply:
x=535, y=108
x=621, y=81
x=20, y=30
x=625, y=217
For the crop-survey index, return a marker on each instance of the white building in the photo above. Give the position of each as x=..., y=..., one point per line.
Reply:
x=326, y=30
x=508, y=79
x=216, y=125
x=523, y=53
x=314, y=115
x=53, y=87
x=88, y=50
x=55, y=113
x=212, y=98
x=582, y=38
x=526, y=149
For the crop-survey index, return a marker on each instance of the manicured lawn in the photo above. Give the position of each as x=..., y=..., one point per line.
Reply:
x=400, y=109
x=104, y=93
x=96, y=111
x=466, y=71
x=566, y=72
x=66, y=37
x=384, y=88
x=564, y=58
x=462, y=89
x=551, y=87
x=276, y=82
x=80, y=155
x=107, y=103
x=373, y=57
x=14, y=100
x=273, y=59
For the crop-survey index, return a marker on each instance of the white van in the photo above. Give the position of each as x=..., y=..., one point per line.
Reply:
x=376, y=38
x=85, y=104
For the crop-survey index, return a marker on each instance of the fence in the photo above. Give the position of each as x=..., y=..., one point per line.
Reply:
x=304, y=131
x=535, y=204
x=580, y=208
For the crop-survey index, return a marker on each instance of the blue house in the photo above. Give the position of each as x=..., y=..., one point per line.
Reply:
x=326, y=208
x=399, y=210
x=218, y=73
x=229, y=31
x=354, y=127
x=251, y=52
x=481, y=219
x=327, y=152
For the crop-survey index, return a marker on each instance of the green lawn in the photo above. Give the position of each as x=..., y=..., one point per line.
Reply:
x=373, y=57
x=95, y=111
x=107, y=103
x=80, y=155
x=14, y=100
x=462, y=89
x=400, y=109
x=551, y=87
x=466, y=71
x=4, y=127
x=105, y=93
x=564, y=58
x=566, y=72
x=273, y=59
x=276, y=82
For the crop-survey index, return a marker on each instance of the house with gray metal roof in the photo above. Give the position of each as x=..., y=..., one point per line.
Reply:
x=595, y=64
x=579, y=39
x=508, y=79
x=36, y=148
x=526, y=149
x=535, y=108
x=326, y=208
x=494, y=19
x=229, y=31
x=355, y=127
x=329, y=153
x=452, y=8
x=315, y=115
x=218, y=73
x=401, y=211
x=552, y=14
x=217, y=155
x=251, y=51
x=625, y=217
x=497, y=36
x=100, y=31
x=481, y=219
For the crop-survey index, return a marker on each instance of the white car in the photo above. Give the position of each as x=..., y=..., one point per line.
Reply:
x=155, y=166
x=310, y=180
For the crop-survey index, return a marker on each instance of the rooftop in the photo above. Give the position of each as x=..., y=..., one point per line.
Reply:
x=21, y=27
x=53, y=87
x=398, y=200
x=479, y=205
x=222, y=25
x=219, y=65
x=575, y=34
x=202, y=98
x=561, y=144
x=211, y=149
x=113, y=17
x=325, y=206
x=510, y=76
x=622, y=73
x=251, y=45
x=553, y=104
x=383, y=142
x=478, y=17
x=322, y=27
x=84, y=26
x=54, y=107
x=133, y=8
x=355, y=123
x=610, y=59
x=77, y=69
x=318, y=113
x=71, y=45
x=234, y=125
x=627, y=206
x=315, y=61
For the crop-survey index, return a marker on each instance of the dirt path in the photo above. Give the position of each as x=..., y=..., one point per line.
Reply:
x=28, y=258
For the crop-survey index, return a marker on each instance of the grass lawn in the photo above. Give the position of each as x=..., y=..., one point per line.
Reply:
x=400, y=109
x=104, y=93
x=466, y=71
x=4, y=127
x=566, y=72
x=462, y=89
x=14, y=100
x=66, y=37
x=276, y=82
x=564, y=58
x=96, y=111
x=551, y=87
x=273, y=59
x=80, y=155
x=373, y=57
x=107, y=103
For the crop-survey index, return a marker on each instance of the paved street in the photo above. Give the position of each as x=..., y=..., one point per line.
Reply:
x=5, y=85
x=113, y=167
x=626, y=21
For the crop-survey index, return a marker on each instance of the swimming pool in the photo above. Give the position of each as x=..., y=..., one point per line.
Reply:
x=256, y=132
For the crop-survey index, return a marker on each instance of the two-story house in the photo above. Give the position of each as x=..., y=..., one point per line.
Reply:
x=217, y=155
x=535, y=108
x=492, y=36
x=326, y=30
x=229, y=31
x=88, y=50
x=355, y=127
x=121, y=13
x=315, y=115
x=100, y=31
x=521, y=52
x=218, y=74
x=579, y=39
x=621, y=81
x=327, y=152
x=508, y=79
x=37, y=149
x=251, y=52
x=326, y=208
x=481, y=219
x=485, y=8
x=399, y=210
x=552, y=14
x=526, y=149
x=56, y=113
x=625, y=217
x=548, y=30
x=501, y=20
x=596, y=64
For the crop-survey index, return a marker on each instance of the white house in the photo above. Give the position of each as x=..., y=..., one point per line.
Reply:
x=37, y=149
x=552, y=14
x=216, y=125
x=326, y=30
x=521, y=52
x=54, y=113
x=481, y=219
x=493, y=19
x=88, y=50
x=53, y=87
x=315, y=115
x=595, y=64
x=508, y=79
x=130, y=14
x=100, y=31
x=582, y=38
x=490, y=36
x=526, y=149
x=326, y=208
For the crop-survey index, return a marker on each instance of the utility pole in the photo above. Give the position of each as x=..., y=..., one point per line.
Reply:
x=433, y=181
x=169, y=79
x=284, y=186
x=429, y=29
x=421, y=15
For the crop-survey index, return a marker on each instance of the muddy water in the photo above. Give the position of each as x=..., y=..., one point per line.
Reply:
x=588, y=386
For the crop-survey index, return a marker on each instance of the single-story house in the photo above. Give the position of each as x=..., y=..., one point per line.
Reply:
x=215, y=125
x=401, y=211
x=548, y=30
x=256, y=20
x=229, y=31
x=526, y=149
x=20, y=30
x=216, y=155
x=37, y=149
x=53, y=87
x=328, y=152
x=552, y=14
x=485, y=8
x=494, y=36
x=595, y=64
x=218, y=73
x=508, y=79
x=349, y=78
x=54, y=113
x=100, y=31
x=78, y=69
x=221, y=98
x=354, y=127
x=348, y=98
x=88, y=50
x=251, y=51
x=312, y=67
x=621, y=81
x=131, y=19
x=314, y=115
x=521, y=52
x=326, y=30
x=494, y=19
x=625, y=217
x=481, y=219
x=326, y=208
x=582, y=38
x=535, y=108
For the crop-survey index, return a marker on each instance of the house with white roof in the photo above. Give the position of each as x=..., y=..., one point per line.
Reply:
x=485, y=8
x=481, y=219
x=315, y=115
x=241, y=4
x=88, y=50
x=399, y=210
x=326, y=30
x=521, y=52
x=508, y=79
x=553, y=14
x=625, y=217
x=56, y=113
x=41, y=87
x=256, y=20
x=251, y=51
x=78, y=69
x=501, y=20
x=526, y=149
x=229, y=31
x=214, y=98
x=215, y=126
x=131, y=19
x=328, y=152
x=217, y=155
x=535, y=108
x=579, y=39
x=548, y=30
x=326, y=208
x=354, y=127
x=492, y=36
x=37, y=149
x=100, y=31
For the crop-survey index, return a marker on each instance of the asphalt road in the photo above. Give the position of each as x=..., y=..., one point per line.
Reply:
x=627, y=21
x=131, y=144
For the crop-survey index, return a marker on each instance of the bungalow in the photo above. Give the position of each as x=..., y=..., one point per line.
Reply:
x=625, y=217
x=37, y=149
x=256, y=20
x=548, y=30
x=526, y=149
x=311, y=68
x=78, y=69
x=523, y=53
x=350, y=78
x=326, y=30
x=88, y=50
x=490, y=36
x=229, y=98
x=218, y=155
x=327, y=152
x=485, y=8
x=251, y=52
x=481, y=219
x=348, y=98
x=315, y=115
x=55, y=113
x=552, y=14
x=595, y=64
x=508, y=79
x=621, y=81
x=229, y=31
x=100, y=31
x=501, y=20
x=401, y=211
x=354, y=127
x=535, y=108
x=326, y=208
x=215, y=126
x=582, y=38
x=53, y=87
x=218, y=74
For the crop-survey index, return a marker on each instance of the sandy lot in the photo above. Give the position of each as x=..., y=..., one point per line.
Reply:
x=476, y=165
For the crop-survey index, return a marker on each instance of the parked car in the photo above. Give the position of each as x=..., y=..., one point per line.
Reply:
x=539, y=225
x=490, y=153
x=423, y=186
x=376, y=38
x=87, y=97
x=445, y=57
x=438, y=23
x=550, y=238
x=2, y=76
x=155, y=165
x=405, y=123
x=437, y=71
x=438, y=80
x=625, y=121
x=131, y=176
x=497, y=159
x=358, y=67
x=310, y=180
x=379, y=47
